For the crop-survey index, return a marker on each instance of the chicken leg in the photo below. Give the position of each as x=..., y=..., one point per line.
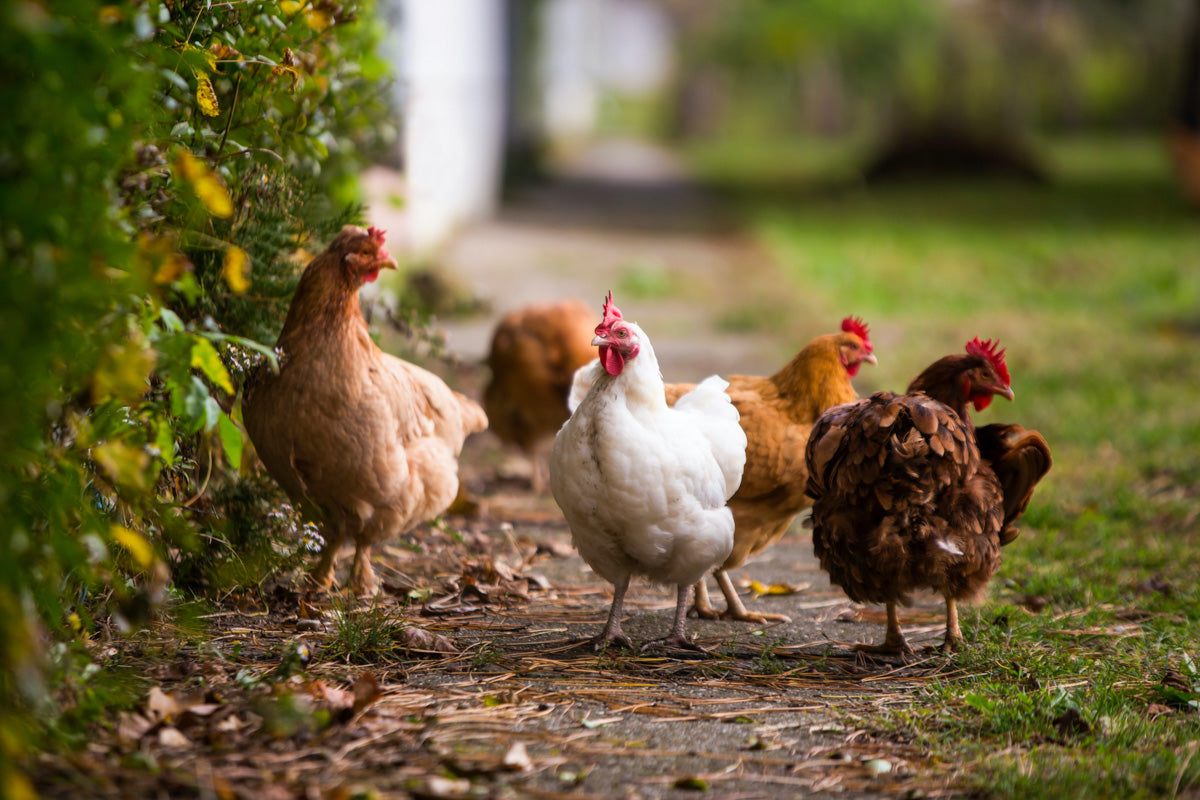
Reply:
x=321, y=577
x=612, y=633
x=954, y=638
x=678, y=637
x=363, y=582
x=894, y=642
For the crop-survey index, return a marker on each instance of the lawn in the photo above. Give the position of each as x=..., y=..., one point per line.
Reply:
x=1083, y=673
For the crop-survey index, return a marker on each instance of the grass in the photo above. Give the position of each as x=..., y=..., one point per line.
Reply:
x=1092, y=282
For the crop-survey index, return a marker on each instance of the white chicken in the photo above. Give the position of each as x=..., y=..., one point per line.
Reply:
x=642, y=485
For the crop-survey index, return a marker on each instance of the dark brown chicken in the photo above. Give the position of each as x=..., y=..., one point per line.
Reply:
x=777, y=412
x=363, y=442
x=534, y=354
x=909, y=495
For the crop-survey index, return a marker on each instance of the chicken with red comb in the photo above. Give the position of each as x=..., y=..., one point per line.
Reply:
x=777, y=413
x=910, y=495
x=365, y=444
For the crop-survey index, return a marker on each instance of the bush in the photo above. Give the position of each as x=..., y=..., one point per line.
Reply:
x=165, y=166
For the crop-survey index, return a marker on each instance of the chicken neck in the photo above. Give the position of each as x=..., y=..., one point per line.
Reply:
x=814, y=380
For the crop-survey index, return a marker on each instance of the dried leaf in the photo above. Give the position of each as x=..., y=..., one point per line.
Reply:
x=517, y=758
x=171, y=737
x=421, y=639
x=760, y=589
x=366, y=691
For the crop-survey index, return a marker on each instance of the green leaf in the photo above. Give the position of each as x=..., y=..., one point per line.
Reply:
x=231, y=439
x=205, y=358
x=199, y=408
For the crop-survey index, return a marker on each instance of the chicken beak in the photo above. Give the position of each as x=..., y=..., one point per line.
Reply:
x=871, y=359
x=599, y=340
x=1006, y=391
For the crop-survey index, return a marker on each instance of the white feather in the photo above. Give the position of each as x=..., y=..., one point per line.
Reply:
x=949, y=547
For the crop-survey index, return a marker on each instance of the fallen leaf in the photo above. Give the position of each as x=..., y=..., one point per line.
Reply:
x=760, y=590
x=878, y=766
x=160, y=705
x=435, y=786
x=171, y=737
x=421, y=639
x=366, y=691
x=517, y=758
x=132, y=727
x=1155, y=710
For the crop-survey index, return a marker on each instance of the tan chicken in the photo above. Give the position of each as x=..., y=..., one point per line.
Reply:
x=535, y=351
x=364, y=442
x=777, y=413
x=909, y=495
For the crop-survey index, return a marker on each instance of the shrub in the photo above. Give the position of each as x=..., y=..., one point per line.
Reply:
x=165, y=165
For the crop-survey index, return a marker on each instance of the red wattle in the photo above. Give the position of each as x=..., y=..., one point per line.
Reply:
x=611, y=360
x=981, y=401
x=371, y=276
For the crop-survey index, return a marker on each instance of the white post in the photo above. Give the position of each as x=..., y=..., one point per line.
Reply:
x=453, y=88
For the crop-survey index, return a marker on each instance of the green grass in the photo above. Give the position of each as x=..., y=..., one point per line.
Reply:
x=1092, y=282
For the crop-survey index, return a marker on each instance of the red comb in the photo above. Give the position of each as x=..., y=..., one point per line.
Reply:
x=377, y=233
x=611, y=312
x=859, y=328
x=992, y=351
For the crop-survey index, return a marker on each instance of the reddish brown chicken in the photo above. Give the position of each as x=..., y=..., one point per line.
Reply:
x=534, y=354
x=777, y=414
x=909, y=495
x=362, y=441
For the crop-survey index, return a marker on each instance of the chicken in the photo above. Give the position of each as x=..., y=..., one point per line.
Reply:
x=643, y=486
x=534, y=353
x=909, y=495
x=362, y=441
x=777, y=413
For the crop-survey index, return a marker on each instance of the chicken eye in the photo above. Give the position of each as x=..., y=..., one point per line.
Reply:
x=621, y=334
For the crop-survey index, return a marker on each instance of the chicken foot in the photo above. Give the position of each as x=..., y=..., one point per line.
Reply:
x=734, y=609
x=894, y=642
x=612, y=633
x=678, y=637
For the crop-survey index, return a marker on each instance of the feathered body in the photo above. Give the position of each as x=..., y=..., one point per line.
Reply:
x=534, y=354
x=643, y=486
x=908, y=495
x=363, y=441
x=777, y=413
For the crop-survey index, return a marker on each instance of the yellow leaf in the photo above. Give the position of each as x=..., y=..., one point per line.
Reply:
x=111, y=15
x=124, y=465
x=289, y=7
x=205, y=183
x=141, y=550
x=236, y=269
x=774, y=589
x=318, y=20
x=206, y=97
x=123, y=370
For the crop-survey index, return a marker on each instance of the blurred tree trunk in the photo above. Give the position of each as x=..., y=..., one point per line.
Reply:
x=1184, y=136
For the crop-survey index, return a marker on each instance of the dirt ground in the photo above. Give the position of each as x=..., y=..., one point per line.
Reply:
x=482, y=683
